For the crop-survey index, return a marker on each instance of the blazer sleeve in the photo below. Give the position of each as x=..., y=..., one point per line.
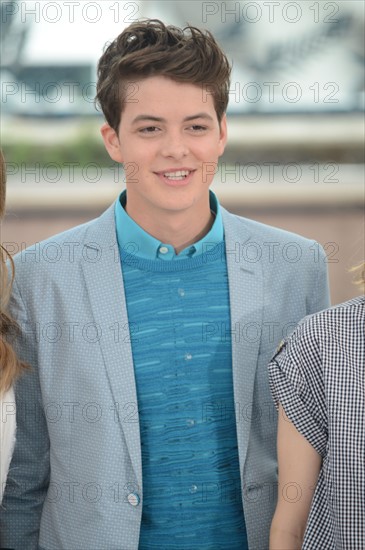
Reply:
x=320, y=297
x=28, y=478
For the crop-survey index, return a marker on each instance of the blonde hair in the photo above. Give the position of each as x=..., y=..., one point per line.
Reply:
x=10, y=365
x=359, y=271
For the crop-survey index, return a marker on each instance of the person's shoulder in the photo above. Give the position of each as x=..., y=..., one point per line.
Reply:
x=336, y=312
x=261, y=231
x=338, y=321
x=77, y=232
x=66, y=246
x=355, y=304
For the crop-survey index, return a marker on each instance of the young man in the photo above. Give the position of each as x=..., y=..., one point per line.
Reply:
x=146, y=421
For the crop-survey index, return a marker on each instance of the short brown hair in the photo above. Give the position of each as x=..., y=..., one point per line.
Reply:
x=150, y=48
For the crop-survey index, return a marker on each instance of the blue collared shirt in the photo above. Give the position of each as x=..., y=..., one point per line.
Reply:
x=135, y=240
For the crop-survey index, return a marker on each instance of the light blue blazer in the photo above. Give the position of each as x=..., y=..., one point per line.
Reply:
x=75, y=480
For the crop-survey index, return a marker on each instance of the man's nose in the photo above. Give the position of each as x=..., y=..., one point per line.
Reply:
x=174, y=145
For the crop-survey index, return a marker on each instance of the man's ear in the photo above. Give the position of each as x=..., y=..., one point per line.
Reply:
x=222, y=134
x=111, y=142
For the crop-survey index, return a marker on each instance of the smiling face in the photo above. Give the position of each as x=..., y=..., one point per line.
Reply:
x=169, y=141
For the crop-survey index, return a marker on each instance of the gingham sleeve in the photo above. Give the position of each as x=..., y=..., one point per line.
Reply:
x=296, y=381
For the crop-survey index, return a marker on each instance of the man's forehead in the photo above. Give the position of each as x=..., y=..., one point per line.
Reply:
x=163, y=98
x=156, y=86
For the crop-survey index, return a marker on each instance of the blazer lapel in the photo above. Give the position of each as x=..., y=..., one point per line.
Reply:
x=246, y=301
x=104, y=283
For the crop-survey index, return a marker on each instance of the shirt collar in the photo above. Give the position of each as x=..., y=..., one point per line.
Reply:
x=135, y=240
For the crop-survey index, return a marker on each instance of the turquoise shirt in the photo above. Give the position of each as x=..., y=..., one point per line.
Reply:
x=135, y=240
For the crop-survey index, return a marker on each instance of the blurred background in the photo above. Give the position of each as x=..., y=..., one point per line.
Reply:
x=295, y=155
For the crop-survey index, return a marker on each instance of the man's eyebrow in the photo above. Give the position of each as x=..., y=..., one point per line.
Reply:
x=152, y=118
x=199, y=115
x=140, y=118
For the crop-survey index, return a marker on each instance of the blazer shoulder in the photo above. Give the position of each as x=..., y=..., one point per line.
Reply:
x=259, y=231
x=67, y=247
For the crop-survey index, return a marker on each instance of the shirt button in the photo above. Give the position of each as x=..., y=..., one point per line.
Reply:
x=191, y=422
x=164, y=249
x=181, y=291
x=193, y=489
x=133, y=499
x=188, y=357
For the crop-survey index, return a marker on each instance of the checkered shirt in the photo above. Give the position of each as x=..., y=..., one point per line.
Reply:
x=318, y=375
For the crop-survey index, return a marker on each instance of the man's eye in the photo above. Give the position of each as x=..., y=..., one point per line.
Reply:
x=198, y=128
x=149, y=130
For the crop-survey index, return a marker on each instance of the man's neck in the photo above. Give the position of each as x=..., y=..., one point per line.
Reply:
x=175, y=228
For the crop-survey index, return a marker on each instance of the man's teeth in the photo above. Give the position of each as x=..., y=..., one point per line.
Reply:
x=179, y=175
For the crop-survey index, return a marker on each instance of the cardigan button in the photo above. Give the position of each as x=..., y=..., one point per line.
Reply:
x=133, y=499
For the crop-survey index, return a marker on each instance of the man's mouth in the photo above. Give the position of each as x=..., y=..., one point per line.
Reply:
x=179, y=175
